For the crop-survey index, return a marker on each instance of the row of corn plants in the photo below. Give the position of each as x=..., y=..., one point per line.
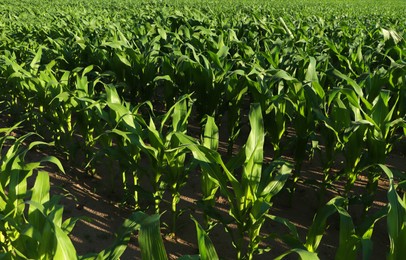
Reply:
x=258, y=186
x=32, y=220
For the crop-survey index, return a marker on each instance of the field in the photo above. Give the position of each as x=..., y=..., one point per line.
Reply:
x=202, y=129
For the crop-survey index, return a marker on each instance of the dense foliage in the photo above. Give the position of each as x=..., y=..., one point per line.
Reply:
x=125, y=81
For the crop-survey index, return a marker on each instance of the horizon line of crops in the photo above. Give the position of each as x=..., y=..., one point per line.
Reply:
x=337, y=82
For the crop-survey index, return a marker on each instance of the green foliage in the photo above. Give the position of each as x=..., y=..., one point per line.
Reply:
x=124, y=82
x=31, y=223
x=250, y=198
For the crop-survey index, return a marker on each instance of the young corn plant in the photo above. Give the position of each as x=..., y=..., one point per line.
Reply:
x=70, y=118
x=352, y=138
x=209, y=186
x=382, y=126
x=43, y=98
x=353, y=240
x=151, y=243
x=377, y=121
x=335, y=127
x=252, y=186
x=268, y=89
x=305, y=100
x=396, y=217
x=126, y=129
x=168, y=170
x=31, y=225
x=149, y=239
x=84, y=120
x=234, y=98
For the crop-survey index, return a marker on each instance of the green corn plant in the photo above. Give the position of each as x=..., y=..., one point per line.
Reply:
x=378, y=121
x=396, y=73
x=125, y=127
x=209, y=186
x=69, y=114
x=137, y=68
x=250, y=196
x=220, y=68
x=206, y=247
x=353, y=136
x=234, y=98
x=305, y=99
x=396, y=218
x=150, y=240
x=335, y=129
x=53, y=103
x=83, y=119
x=36, y=89
x=353, y=240
x=166, y=157
x=31, y=223
x=276, y=119
x=23, y=80
x=284, y=97
x=268, y=89
x=193, y=75
x=382, y=127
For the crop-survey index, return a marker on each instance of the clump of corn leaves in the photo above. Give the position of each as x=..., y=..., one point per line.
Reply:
x=251, y=194
x=151, y=243
x=31, y=225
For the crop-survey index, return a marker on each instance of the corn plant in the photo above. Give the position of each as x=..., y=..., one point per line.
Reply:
x=380, y=137
x=375, y=120
x=250, y=197
x=167, y=159
x=209, y=186
x=268, y=89
x=31, y=221
x=353, y=240
x=125, y=127
x=151, y=243
x=396, y=218
x=50, y=103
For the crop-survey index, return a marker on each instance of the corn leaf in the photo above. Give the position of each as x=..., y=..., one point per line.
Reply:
x=254, y=153
x=206, y=247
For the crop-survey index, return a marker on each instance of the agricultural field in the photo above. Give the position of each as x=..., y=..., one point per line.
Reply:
x=202, y=129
